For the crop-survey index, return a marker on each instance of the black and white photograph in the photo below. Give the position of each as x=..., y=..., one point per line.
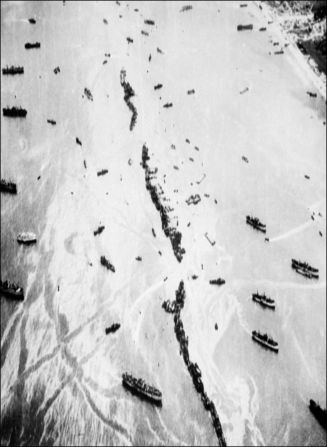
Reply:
x=163, y=223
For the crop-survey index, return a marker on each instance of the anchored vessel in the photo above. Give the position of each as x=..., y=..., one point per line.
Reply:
x=8, y=187
x=305, y=269
x=265, y=340
x=218, y=281
x=12, y=70
x=26, y=238
x=319, y=413
x=256, y=224
x=264, y=300
x=141, y=389
x=14, y=112
x=12, y=290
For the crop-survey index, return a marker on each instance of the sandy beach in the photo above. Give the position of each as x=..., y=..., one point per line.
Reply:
x=60, y=373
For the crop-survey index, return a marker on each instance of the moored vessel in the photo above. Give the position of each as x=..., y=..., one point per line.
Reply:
x=265, y=340
x=264, y=300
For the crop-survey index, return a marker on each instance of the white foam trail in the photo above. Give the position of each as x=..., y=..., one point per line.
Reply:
x=291, y=232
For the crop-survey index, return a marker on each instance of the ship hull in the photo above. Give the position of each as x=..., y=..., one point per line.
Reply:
x=263, y=343
x=263, y=304
x=26, y=241
x=142, y=394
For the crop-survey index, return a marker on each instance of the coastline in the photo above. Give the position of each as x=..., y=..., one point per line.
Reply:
x=306, y=63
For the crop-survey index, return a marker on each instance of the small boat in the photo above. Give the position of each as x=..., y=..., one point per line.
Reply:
x=113, y=328
x=102, y=172
x=264, y=300
x=26, y=238
x=53, y=122
x=12, y=290
x=8, y=187
x=245, y=27
x=141, y=389
x=104, y=261
x=14, y=112
x=32, y=21
x=29, y=45
x=265, y=340
x=303, y=265
x=217, y=282
x=99, y=230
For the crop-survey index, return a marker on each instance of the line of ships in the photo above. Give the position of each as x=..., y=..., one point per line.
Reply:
x=138, y=386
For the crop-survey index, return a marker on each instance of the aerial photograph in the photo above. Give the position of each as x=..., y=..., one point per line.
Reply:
x=163, y=223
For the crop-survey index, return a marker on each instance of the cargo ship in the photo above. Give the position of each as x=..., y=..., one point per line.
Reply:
x=29, y=45
x=141, y=389
x=256, y=224
x=319, y=413
x=26, y=238
x=12, y=290
x=8, y=187
x=12, y=70
x=303, y=265
x=14, y=112
x=265, y=340
x=264, y=300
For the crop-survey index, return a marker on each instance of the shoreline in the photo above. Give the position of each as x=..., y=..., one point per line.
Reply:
x=306, y=64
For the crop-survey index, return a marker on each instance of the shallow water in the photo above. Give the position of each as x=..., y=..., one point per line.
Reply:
x=59, y=372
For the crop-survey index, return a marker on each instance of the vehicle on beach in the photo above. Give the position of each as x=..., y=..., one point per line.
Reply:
x=14, y=112
x=12, y=290
x=12, y=70
x=265, y=340
x=141, y=389
x=8, y=187
x=318, y=412
x=26, y=238
x=256, y=224
x=264, y=300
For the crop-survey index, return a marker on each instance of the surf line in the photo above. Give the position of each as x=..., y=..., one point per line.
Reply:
x=175, y=308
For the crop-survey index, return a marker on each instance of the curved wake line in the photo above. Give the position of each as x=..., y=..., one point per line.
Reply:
x=291, y=232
